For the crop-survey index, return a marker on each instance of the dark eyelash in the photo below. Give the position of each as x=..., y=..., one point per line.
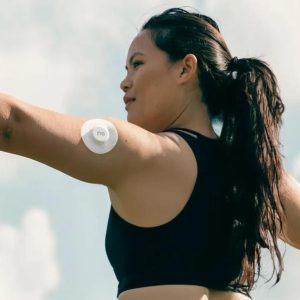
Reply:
x=136, y=63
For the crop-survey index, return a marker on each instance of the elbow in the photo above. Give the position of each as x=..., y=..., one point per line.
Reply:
x=7, y=134
x=6, y=138
x=7, y=124
x=290, y=241
x=294, y=245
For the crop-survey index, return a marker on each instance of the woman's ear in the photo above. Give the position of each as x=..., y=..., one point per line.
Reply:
x=188, y=68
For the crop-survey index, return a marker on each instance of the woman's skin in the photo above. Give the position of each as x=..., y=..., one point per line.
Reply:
x=166, y=95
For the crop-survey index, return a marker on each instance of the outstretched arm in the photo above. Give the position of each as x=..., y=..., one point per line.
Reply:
x=54, y=139
x=290, y=193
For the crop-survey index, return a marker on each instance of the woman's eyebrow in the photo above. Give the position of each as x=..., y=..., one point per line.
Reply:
x=133, y=56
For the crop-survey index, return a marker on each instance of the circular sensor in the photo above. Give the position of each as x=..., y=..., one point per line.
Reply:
x=99, y=135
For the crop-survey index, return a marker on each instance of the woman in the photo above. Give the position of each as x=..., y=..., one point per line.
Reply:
x=190, y=210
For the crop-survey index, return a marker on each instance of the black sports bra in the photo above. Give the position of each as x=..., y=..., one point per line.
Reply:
x=191, y=248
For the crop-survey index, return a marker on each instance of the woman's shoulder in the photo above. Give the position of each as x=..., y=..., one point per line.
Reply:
x=155, y=195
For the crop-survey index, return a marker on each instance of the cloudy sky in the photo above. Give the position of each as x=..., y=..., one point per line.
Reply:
x=69, y=56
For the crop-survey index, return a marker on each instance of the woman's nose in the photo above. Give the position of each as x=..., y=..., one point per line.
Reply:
x=125, y=84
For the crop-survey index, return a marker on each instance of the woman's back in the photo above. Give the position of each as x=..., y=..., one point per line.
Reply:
x=179, y=292
x=159, y=201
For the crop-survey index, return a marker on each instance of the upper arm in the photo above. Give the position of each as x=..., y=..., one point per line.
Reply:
x=54, y=139
x=290, y=195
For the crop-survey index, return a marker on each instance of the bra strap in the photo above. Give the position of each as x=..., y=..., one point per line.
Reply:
x=180, y=130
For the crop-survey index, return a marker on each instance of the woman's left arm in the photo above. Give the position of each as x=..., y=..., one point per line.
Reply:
x=54, y=139
x=290, y=195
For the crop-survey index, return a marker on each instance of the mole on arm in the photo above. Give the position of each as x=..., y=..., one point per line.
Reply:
x=7, y=134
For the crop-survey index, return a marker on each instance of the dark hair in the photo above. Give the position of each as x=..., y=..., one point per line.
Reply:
x=244, y=95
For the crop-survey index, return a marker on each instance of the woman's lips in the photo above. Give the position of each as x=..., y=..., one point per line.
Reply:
x=128, y=103
x=128, y=100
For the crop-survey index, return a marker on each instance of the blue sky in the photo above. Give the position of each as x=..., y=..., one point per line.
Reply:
x=69, y=56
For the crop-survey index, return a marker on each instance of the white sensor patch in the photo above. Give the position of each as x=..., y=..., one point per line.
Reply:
x=100, y=136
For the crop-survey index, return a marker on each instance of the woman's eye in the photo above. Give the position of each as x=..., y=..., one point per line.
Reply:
x=135, y=64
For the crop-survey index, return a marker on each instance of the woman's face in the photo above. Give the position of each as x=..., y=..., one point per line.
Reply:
x=151, y=83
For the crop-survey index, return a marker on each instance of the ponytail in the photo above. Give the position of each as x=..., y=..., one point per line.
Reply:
x=252, y=110
x=242, y=94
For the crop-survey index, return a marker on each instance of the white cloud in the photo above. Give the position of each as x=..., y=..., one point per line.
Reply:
x=28, y=266
x=28, y=73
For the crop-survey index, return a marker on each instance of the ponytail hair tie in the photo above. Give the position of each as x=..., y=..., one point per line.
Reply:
x=232, y=65
x=234, y=60
x=234, y=74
